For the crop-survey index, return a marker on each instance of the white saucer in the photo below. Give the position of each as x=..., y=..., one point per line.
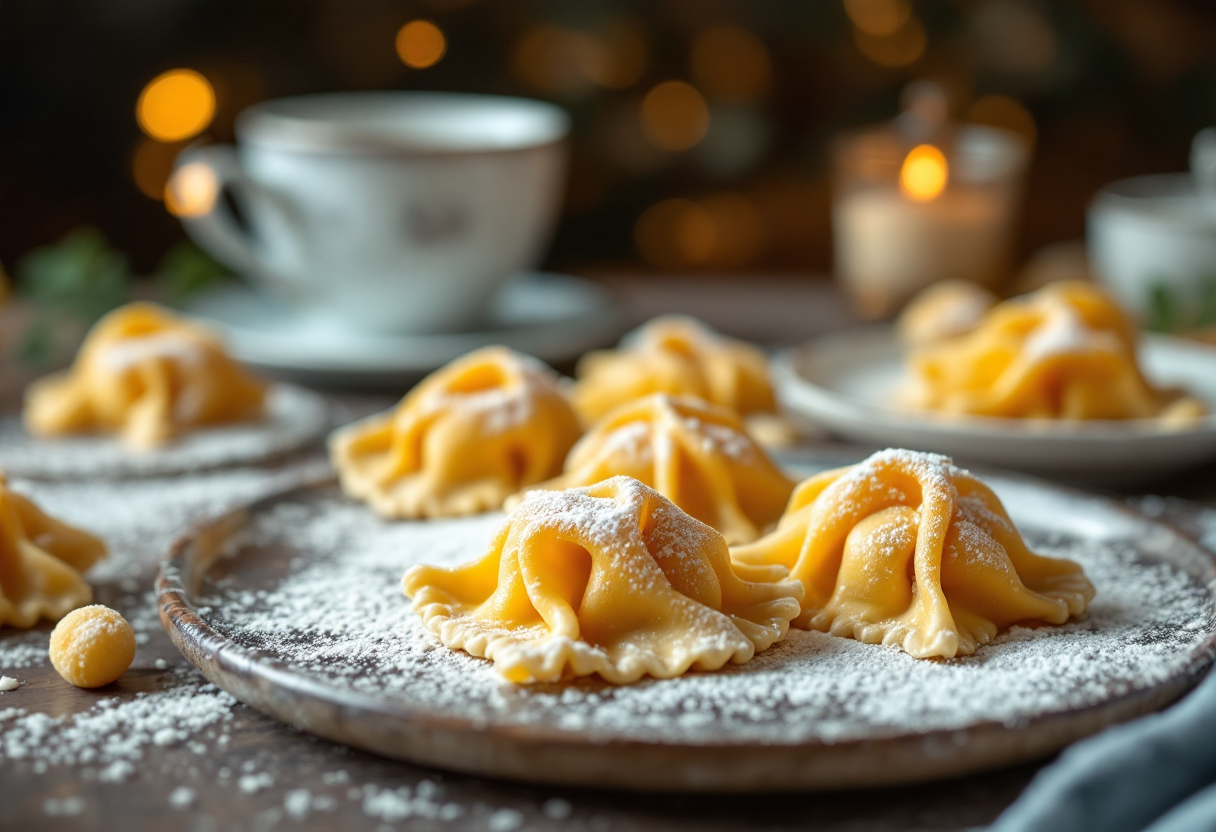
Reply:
x=553, y=317
x=846, y=383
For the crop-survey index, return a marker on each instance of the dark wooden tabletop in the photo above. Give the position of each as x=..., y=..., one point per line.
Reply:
x=307, y=783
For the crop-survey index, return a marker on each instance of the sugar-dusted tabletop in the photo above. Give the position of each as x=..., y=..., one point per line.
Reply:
x=159, y=749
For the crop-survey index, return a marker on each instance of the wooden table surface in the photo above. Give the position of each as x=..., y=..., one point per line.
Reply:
x=312, y=784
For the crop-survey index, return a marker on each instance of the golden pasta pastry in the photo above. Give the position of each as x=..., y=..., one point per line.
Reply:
x=462, y=441
x=41, y=562
x=148, y=376
x=678, y=356
x=612, y=579
x=1064, y=352
x=695, y=454
x=906, y=549
x=944, y=310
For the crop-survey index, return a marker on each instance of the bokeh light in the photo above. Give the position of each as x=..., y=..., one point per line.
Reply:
x=674, y=116
x=731, y=63
x=175, y=105
x=902, y=47
x=192, y=190
x=618, y=60
x=675, y=233
x=879, y=18
x=1006, y=113
x=739, y=236
x=420, y=44
x=558, y=60
x=924, y=173
x=151, y=166
x=720, y=231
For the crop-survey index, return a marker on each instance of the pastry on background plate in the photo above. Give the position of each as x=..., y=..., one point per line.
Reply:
x=41, y=563
x=612, y=580
x=906, y=549
x=681, y=357
x=944, y=310
x=462, y=441
x=147, y=376
x=696, y=454
x=1066, y=351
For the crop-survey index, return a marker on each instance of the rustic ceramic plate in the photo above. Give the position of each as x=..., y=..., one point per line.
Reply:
x=846, y=383
x=293, y=605
x=295, y=417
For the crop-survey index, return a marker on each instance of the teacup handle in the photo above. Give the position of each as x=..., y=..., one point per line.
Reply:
x=218, y=230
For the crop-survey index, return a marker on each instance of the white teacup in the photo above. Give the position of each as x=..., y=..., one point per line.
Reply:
x=1152, y=241
x=394, y=211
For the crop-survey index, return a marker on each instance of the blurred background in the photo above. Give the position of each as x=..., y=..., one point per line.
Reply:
x=703, y=128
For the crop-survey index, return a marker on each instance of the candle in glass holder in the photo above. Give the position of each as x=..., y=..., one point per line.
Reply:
x=901, y=225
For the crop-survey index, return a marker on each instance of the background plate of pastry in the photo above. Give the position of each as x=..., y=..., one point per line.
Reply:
x=294, y=418
x=293, y=604
x=847, y=383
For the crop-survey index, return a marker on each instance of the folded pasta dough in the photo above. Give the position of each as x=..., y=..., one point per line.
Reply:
x=695, y=454
x=147, y=375
x=678, y=356
x=462, y=441
x=906, y=549
x=611, y=579
x=1065, y=352
x=41, y=561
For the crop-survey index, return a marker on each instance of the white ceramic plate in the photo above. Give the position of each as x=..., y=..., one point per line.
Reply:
x=294, y=418
x=553, y=317
x=845, y=383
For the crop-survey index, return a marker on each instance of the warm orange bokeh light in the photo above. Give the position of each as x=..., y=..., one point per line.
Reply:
x=675, y=233
x=674, y=116
x=420, y=44
x=619, y=58
x=731, y=63
x=878, y=17
x=924, y=173
x=192, y=190
x=175, y=105
x=151, y=166
x=721, y=231
x=1004, y=112
x=902, y=47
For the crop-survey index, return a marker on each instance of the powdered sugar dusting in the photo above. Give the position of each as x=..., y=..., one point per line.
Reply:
x=295, y=417
x=315, y=579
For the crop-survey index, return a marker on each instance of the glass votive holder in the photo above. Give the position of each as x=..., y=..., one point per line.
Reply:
x=906, y=214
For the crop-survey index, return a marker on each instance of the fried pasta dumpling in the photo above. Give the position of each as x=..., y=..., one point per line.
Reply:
x=462, y=441
x=41, y=563
x=906, y=549
x=612, y=579
x=678, y=356
x=695, y=454
x=148, y=376
x=1064, y=352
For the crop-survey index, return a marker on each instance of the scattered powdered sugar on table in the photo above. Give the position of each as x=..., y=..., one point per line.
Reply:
x=316, y=581
x=139, y=520
x=295, y=417
x=114, y=733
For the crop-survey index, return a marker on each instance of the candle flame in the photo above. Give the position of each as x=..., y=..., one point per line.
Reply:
x=924, y=173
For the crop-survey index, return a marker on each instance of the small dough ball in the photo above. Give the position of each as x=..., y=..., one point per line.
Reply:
x=944, y=310
x=92, y=646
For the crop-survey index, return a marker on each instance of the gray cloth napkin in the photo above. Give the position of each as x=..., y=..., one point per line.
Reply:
x=1124, y=779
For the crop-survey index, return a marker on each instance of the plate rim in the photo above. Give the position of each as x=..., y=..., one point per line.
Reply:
x=266, y=683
